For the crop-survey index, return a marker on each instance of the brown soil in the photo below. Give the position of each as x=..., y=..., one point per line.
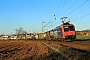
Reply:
x=77, y=45
x=72, y=50
x=36, y=50
x=19, y=50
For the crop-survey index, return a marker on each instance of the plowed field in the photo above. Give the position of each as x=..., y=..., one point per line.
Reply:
x=19, y=50
x=41, y=50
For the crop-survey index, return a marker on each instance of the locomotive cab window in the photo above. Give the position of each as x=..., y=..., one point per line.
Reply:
x=69, y=28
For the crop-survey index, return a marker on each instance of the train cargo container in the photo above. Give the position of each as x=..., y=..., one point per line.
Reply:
x=41, y=36
x=47, y=34
x=36, y=36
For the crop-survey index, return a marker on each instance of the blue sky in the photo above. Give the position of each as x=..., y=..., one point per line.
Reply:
x=29, y=14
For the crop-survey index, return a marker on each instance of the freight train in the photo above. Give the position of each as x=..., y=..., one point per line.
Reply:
x=63, y=32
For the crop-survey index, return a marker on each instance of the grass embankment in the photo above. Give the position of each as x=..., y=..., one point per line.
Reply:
x=83, y=37
x=69, y=54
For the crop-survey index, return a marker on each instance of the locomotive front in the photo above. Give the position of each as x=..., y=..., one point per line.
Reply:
x=69, y=31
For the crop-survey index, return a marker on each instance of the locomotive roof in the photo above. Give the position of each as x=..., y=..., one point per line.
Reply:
x=66, y=24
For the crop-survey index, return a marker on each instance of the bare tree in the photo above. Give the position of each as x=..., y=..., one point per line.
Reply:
x=20, y=32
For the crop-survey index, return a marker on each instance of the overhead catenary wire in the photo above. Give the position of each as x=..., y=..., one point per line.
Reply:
x=62, y=7
x=82, y=11
x=70, y=7
x=81, y=17
x=58, y=21
x=70, y=12
x=46, y=24
x=60, y=10
x=55, y=13
x=77, y=18
x=77, y=7
x=59, y=6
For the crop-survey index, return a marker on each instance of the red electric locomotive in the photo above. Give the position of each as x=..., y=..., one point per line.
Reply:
x=62, y=32
x=68, y=31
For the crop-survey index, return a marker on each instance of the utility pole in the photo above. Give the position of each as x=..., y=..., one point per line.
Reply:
x=3, y=33
x=42, y=25
x=42, y=28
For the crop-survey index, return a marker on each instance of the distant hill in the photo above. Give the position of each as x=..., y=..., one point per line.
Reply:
x=87, y=30
x=83, y=32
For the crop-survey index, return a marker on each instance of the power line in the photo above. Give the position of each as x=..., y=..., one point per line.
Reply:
x=62, y=7
x=70, y=12
x=54, y=15
x=47, y=24
x=82, y=11
x=56, y=12
x=81, y=17
x=78, y=18
x=58, y=6
x=77, y=7
x=70, y=7
x=59, y=20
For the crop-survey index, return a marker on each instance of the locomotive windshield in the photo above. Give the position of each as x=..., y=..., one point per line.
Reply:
x=69, y=28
